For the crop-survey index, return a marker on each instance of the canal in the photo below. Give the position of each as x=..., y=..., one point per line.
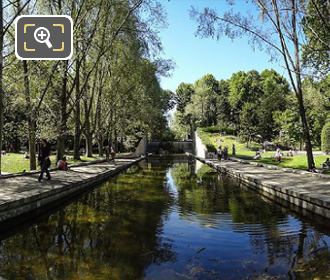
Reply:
x=167, y=219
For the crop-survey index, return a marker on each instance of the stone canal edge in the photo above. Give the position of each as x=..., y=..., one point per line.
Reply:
x=23, y=194
x=302, y=193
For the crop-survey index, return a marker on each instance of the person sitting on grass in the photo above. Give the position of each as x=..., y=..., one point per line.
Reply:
x=326, y=164
x=290, y=153
x=278, y=155
x=62, y=164
x=258, y=155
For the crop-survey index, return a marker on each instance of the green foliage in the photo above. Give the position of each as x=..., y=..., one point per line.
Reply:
x=245, y=104
x=109, y=92
x=179, y=127
x=326, y=138
x=316, y=28
x=256, y=107
x=203, y=106
x=183, y=96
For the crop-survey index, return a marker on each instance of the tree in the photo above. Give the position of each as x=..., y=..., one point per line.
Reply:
x=244, y=87
x=203, y=104
x=223, y=110
x=183, y=123
x=316, y=27
x=275, y=90
x=326, y=138
x=246, y=102
x=279, y=32
x=95, y=95
x=249, y=122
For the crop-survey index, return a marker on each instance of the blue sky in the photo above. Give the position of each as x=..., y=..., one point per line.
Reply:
x=195, y=57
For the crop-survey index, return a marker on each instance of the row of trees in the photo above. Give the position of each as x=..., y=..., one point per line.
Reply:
x=108, y=92
x=294, y=32
x=257, y=106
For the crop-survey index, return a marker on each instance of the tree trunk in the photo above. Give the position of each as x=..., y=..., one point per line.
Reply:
x=31, y=118
x=299, y=93
x=89, y=144
x=1, y=78
x=98, y=116
x=87, y=131
x=77, y=128
x=63, y=115
x=307, y=138
x=100, y=146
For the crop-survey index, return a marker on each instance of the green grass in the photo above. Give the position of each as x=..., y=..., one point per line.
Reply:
x=16, y=163
x=242, y=151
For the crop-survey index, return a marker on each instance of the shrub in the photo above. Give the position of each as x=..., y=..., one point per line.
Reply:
x=325, y=138
x=254, y=146
x=211, y=148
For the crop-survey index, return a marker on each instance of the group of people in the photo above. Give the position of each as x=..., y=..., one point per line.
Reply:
x=222, y=153
x=45, y=162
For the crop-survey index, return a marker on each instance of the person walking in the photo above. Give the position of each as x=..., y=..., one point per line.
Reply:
x=44, y=160
x=219, y=153
x=113, y=154
x=225, y=153
x=234, y=150
x=107, y=153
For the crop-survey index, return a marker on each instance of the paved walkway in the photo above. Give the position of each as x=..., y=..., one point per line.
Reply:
x=22, y=194
x=304, y=190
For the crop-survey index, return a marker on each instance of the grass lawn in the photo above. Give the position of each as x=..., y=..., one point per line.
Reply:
x=15, y=163
x=298, y=161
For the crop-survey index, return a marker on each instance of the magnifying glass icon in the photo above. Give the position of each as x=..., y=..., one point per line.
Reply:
x=41, y=35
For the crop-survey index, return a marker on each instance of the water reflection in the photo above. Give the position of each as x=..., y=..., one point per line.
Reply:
x=113, y=232
x=161, y=220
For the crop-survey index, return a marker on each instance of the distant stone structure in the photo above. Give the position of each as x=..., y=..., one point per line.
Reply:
x=141, y=148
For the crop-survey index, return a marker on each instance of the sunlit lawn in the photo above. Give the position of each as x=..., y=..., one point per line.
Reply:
x=298, y=161
x=15, y=162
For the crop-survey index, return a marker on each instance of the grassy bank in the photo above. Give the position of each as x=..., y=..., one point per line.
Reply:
x=298, y=161
x=15, y=162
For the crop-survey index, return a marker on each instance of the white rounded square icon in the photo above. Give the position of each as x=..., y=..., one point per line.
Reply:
x=45, y=37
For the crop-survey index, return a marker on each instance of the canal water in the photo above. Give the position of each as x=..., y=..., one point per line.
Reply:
x=168, y=219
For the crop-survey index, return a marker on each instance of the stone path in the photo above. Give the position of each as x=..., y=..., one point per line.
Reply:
x=22, y=194
x=309, y=192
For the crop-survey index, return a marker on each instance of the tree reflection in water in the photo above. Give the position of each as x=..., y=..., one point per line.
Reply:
x=161, y=220
x=289, y=245
x=114, y=232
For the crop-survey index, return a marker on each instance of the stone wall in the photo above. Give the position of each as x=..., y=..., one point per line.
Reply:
x=175, y=147
x=200, y=148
